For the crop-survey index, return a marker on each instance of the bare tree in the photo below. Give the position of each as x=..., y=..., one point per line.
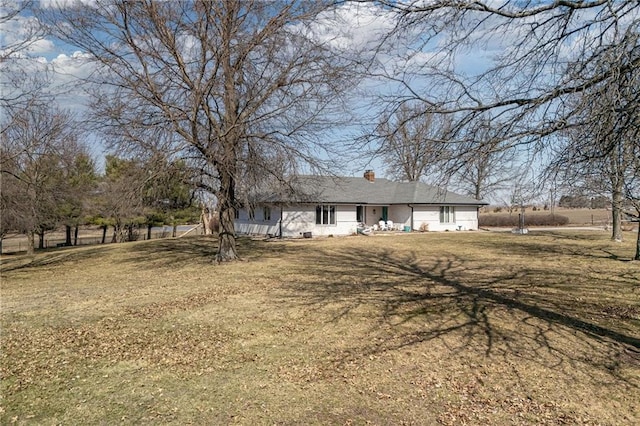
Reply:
x=523, y=190
x=632, y=189
x=38, y=149
x=532, y=58
x=19, y=33
x=600, y=152
x=414, y=145
x=490, y=168
x=19, y=93
x=238, y=82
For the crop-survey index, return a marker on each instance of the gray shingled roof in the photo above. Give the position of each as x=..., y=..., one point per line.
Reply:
x=358, y=190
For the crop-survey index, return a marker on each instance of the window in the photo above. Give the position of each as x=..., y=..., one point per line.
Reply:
x=360, y=214
x=325, y=215
x=266, y=213
x=447, y=214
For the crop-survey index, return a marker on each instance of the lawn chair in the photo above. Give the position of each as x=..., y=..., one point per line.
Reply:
x=389, y=225
x=382, y=225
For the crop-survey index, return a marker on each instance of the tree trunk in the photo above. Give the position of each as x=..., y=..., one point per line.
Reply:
x=175, y=231
x=226, y=237
x=227, y=167
x=149, y=226
x=31, y=241
x=205, y=218
x=75, y=236
x=104, y=233
x=67, y=229
x=637, y=256
x=114, y=239
x=616, y=215
x=226, y=234
x=616, y=178
x=41, y=239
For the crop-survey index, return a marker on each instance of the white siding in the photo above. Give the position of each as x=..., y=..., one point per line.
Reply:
x=259, y=225
x=466, y=218
x=296, y=220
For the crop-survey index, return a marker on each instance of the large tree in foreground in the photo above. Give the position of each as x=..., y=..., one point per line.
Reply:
x=239, y=82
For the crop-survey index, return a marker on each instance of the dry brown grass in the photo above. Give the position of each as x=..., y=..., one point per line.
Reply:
x=448, y=328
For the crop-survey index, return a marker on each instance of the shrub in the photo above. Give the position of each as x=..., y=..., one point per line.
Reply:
x=546, y=220
x=498, y=220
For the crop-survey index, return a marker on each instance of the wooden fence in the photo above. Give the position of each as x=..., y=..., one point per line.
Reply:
x=18, y=243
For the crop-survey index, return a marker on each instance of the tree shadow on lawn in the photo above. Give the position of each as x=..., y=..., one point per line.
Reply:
x=200, y=250
x=52, y=257
x=505, y=314
x=174, y=252
x=563, y=243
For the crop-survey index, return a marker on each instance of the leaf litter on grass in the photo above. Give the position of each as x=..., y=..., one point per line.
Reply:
x=427, y=328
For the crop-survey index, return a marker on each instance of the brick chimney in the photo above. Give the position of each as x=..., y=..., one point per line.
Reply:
x=369, y=175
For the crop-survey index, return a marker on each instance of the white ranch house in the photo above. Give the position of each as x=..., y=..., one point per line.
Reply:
x=325, y=205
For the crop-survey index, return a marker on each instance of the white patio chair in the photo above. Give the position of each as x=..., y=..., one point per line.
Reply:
x=390, y=225
x=382, y=225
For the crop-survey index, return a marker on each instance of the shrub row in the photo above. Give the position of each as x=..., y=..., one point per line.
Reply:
x=529, y=220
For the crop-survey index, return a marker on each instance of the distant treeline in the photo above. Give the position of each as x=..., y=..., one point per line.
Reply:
x=581, y=201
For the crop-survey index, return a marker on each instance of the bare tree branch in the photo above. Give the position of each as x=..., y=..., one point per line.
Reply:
x=239, y=83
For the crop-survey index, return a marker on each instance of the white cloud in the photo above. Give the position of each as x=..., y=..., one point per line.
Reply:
x=41, y=47
x=18, y=34
x=65, y=63
x=350, y=27
x=362, y=25
x=27, y=53
x=61, y=4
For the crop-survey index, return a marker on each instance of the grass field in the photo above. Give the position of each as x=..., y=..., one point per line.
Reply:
x=434, y=328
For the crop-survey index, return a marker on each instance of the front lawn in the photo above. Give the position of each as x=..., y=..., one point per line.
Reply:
x=434, y=328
